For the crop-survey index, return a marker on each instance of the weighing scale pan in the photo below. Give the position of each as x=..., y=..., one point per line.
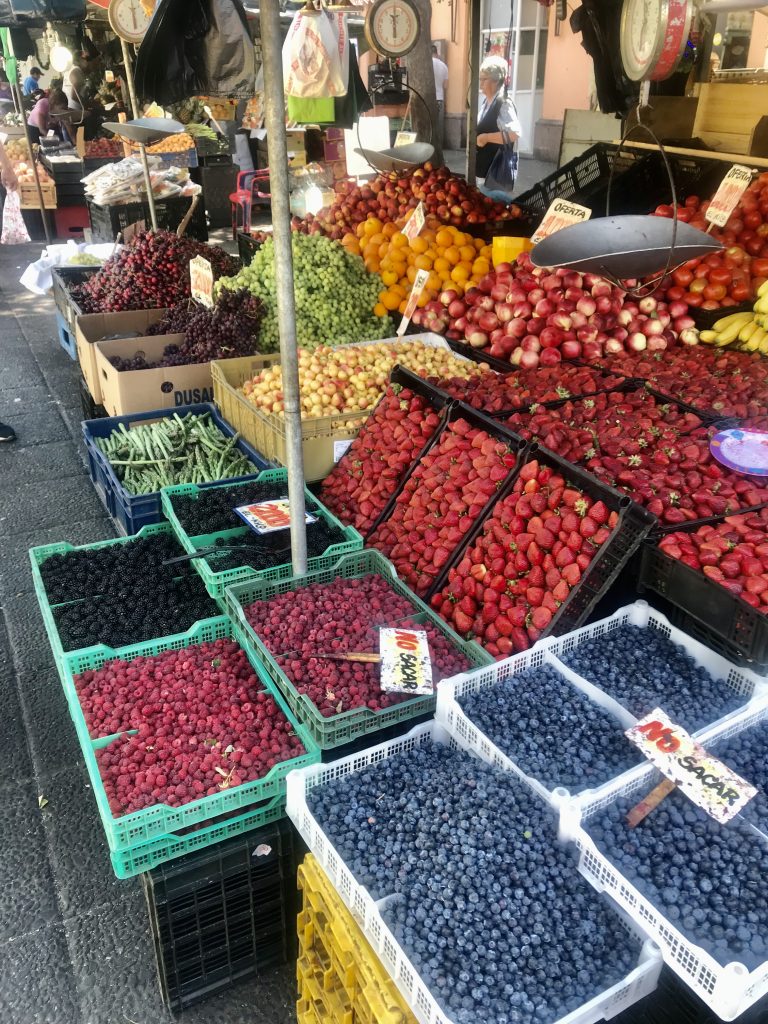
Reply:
x=624, y=247
x=398, y=158
x=145, y=129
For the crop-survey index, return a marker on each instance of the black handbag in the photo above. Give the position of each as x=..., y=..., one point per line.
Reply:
x=503, y=170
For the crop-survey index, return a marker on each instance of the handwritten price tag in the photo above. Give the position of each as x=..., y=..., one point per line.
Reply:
x=405, y=138
x=561, y=214
x=269, y=516
x=201, y=280
x=415, y=223
x=731, y=189
x=405, y=664
x=706, y=781
x=422, y=276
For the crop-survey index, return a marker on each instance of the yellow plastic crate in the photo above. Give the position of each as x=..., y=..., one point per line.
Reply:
x=341, y=980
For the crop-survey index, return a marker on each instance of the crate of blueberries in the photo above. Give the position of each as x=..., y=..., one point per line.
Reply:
x=453, y=868
x=228, y=551
x=557, y=715
x=696, y=886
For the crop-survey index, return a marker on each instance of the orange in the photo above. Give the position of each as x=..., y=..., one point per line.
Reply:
x=389, y=230
x=389, y=277
x=467, y=252
x=423, y=263
x=441, y=264
x=459, y=273
x=398, y=240
x=452, y=254
x=391, y=300
x=380, y=309
x=481, y=267
x=373, y=226
x=444, y=238
x=419, y=245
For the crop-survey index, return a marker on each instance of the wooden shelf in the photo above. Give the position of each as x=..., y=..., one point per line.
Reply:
x=730, y=158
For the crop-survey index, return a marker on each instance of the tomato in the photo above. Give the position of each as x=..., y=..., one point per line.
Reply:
x=735, y=254
x=764, y=208
x=762, y=231
x=702, y=272
x=698, y=285
x=682, y=277
x=748, y=202
x=675, y=293
x=735, y=224
x=759, y=268
x=728, y=301
x=684, y=214
x=693, y=202
x=710, y=304
x=714, y=260
x=753, y=219
x=754, y=246
x=762, y=178
x=693, y=298
x=663, y=211
x=756, y=282
x=728, y=238
x=715, y=292
x=720, y=275
x=741, y=292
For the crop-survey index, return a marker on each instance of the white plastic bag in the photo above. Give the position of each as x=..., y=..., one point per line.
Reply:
x=316, y=56
x=14, y=228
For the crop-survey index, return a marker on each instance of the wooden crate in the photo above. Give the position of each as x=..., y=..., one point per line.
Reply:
x=30, y=199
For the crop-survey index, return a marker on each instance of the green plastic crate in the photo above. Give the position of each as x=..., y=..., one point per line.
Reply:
x=216, y=582
x=153, y=833
x=348, y=725
x=41, y=554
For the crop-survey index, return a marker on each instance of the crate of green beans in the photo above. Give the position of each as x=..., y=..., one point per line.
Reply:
x=131, y=458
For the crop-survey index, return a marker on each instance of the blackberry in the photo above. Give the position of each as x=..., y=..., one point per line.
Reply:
x=212, y=509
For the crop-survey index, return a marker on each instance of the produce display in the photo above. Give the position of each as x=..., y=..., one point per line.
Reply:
x=203, y=724
x=441, y=502
x=150, y=273
x=485, y=900
x=123, y=593
x=187, y=449
x=212, y=509
x=749, y=329
x=533, y=316
x=359, y=486
x=272, y=549
x=299, y=626
x=227, y=330
x=17, y=152
x=115, y=184
x=642, y=669
x=391, y=197
x=523, y=389
x=534, y=549
x=335, y=294
x=351, y=379
x=83, y=259
x=733, y=553
x=744, y=752
x=551, y=730
x=104, y=149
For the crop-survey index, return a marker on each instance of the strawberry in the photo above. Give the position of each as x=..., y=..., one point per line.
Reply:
x=541, y=618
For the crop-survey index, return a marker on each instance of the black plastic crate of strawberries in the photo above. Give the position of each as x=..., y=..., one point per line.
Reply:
x=224, y=913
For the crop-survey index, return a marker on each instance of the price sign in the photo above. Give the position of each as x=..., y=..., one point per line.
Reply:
x=732, y=188
x=340, y=449
x=422, y=276
x=201, y=280
x=405, y=138
x=562, y=213
x=405, y=664
x=269, y=516
x=706, y=781
x=415, y=223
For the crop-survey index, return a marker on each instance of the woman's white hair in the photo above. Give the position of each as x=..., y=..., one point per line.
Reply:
x=495, y=67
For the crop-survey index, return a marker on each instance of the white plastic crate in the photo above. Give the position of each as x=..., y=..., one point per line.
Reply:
x=742, y=680
x=367, y=912
x=470, y=737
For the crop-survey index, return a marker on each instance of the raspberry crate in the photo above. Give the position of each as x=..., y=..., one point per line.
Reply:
x=348, y=725
x=224, y=913
x=156, y=834
x=640, y=982
x=740, y=680
x=130, y=511
x=217, y=581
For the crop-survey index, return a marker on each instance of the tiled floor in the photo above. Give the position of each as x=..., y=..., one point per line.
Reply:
x=74, y=941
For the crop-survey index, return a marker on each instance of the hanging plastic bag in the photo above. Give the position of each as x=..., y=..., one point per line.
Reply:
x=503, y=170
x=14, y=228
x=316, y=56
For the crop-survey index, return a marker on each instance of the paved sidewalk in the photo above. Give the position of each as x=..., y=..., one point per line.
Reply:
x=74, y=941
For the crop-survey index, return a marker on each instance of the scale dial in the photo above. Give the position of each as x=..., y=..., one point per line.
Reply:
x=392, y=27
x=129, y=20
x=654, y=34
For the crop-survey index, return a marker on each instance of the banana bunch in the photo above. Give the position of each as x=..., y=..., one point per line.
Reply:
x=745, y=331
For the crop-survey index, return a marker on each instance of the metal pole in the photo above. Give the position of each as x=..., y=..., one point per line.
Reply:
x=20, y=107
x=274, y=101
x=474, y=88
x=142, y=148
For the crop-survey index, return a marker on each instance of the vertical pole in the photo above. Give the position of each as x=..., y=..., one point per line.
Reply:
x=474, y=88
x=142, y=148
x=272, y=45
x=20, y=107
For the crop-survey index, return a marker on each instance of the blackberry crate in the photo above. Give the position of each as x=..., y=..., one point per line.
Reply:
x=107, y=222
x=131, y=512
x=341, y=729
x=63, y=280
x=225, y=913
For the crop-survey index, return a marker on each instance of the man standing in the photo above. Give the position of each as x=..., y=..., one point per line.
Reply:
x=440, y=69
x=30, y=85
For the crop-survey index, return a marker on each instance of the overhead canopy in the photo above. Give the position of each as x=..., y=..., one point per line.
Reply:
x=23, y=13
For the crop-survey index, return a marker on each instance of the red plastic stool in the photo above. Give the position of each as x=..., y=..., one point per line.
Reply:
x=242, y=199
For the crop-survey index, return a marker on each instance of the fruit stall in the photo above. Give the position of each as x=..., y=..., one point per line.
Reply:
x=537, y=541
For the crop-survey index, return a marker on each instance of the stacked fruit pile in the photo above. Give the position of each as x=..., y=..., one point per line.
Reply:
x=391, y=198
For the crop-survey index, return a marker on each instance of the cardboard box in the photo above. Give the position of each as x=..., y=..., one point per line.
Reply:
x=93, y=327
x=128, y=391
x=333, y=151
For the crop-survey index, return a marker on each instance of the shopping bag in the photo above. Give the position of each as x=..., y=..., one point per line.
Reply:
x=503, y=170
x=14, y=228
x=316, y=56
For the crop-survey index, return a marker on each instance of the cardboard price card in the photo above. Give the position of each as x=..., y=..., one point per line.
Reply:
x=201, y=280
x=269, y=516
x=415, y=223
x=731, y=189
x=405, y=138
x=405, y=663
x=422, y=276
x=706, y=781
x=562, y=213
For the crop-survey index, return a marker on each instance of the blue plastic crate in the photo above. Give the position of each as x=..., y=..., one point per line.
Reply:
x=131, y=512
x=67, y=338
